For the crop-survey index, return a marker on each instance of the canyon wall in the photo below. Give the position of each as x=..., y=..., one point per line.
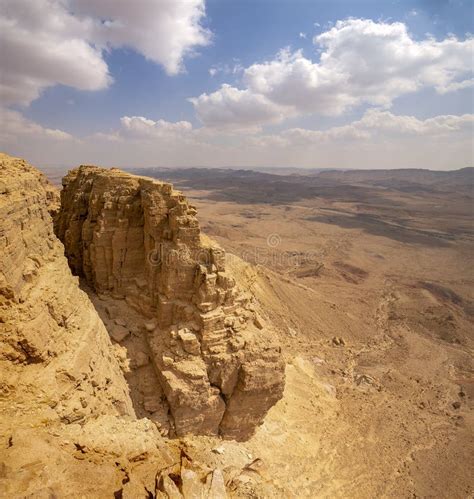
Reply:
x=67, y=422
x=53, y=346
x=136, y=239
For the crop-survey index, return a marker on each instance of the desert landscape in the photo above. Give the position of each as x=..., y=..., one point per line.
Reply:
x=362, y=280
x=236, y=249
x=368, y=277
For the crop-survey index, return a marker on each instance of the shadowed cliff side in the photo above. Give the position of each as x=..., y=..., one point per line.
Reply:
x=46, y=318
x=67, y=424
x=138, y=240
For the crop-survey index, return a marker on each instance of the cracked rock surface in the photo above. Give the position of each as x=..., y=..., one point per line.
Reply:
x=138, y=240
x=68, y=423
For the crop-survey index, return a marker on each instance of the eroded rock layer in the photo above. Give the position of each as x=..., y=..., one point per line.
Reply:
x=137, y=239
x=53, y=345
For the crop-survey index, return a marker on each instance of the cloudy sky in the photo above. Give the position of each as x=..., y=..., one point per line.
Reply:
x=304, y=83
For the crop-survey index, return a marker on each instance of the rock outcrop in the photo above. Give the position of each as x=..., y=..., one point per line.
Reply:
x=67, y=423
x=139, y=240
x=54, y=349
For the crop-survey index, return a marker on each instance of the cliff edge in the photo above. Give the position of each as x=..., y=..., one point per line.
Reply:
x=50, y=335
x=138, y=240
x=67, y=423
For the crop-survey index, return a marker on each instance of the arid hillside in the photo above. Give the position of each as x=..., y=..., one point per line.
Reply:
x=369, y=277
x=110, y=375
x=236, y=249
x=366, y=287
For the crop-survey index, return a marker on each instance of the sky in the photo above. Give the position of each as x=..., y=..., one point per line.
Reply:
x=238, y=83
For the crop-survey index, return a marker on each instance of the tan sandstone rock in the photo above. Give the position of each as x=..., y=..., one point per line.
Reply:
x=66, y=418
x=67, y=425
x=138, y=240
x=50, y=333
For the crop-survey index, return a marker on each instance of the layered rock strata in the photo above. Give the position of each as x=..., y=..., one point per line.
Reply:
x=55, y=352
x=137, y=239
x=67, y=425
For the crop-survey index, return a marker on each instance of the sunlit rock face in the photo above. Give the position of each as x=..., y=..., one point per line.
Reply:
x=139, y=240
x=53, y=345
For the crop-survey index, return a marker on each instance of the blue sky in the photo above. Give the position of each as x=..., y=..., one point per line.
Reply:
x=227, y=43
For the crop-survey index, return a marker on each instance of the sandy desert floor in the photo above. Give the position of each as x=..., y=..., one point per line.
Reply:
x=373, y=300
x=369, y=283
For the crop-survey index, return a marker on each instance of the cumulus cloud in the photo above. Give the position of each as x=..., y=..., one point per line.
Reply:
x=456, y=85
x=164, y=31
x=49, y=42
x=379, y=139
x=42, y=45
x=232, y=107
x=379, y=121
x=361, y=62
x=382, y=61
x=378, y=124
x=16, y=127
x=140, y=127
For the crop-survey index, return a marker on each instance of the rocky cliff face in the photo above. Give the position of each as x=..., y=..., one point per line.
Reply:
x=53, y=345
x=138, y=240
x=67, y=423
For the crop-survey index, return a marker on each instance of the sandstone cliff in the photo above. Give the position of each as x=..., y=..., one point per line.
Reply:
x=67, y=423
x=138, y=240
x=59, y=373
x=50, y=333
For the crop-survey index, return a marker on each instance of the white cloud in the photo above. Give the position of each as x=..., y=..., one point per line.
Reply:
x=384, y=122
x=164, y=31
x=362, y=62
x=378, y=124
x=42, y=45
x=236, y=108
x=301, y=136
x=295, y=81
x=16, y=127
x=49, y=42
x=226, y=69
x=456, y=85
x=302, y=35
x=382, y=61
x=380, y=139
x=140, y=127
